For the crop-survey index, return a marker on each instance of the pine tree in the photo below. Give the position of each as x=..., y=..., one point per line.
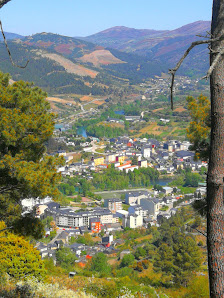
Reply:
x=25, y=125
x=18, y=258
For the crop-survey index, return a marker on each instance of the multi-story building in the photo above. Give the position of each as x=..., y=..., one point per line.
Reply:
x=134, y=197
x=95, y=225
x=113, y=204
x=120, y=158
x=110, y=158
x=146, y=152
x=150, y=204
x=66, y=217
x=98, y=160
x=133, y=221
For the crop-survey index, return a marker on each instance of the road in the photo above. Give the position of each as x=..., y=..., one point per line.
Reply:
x=95, y=147
x=121, y=190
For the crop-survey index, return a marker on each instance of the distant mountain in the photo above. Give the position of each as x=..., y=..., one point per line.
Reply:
x=139, y=41
x=166, y=46
x=9, y=35
x=61, y=64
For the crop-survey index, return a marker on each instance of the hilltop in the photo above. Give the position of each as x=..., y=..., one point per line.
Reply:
x=117, y=57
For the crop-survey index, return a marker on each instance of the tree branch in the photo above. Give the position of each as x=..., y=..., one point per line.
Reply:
x=3, y=2
x=205, y=235
x=174, y=70
x=214, y=63
x=6, y=45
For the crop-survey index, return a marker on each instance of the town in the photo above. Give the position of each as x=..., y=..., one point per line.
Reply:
x=120, y=209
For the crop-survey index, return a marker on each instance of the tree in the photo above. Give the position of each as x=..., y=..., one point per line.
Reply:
x=99, y=263
x=192, y=179
x=65, y=257
x=215, y=175
x=198, y=131
x=134, y=160
x=18, y=257
x=25, y=125
x=140, y=252
x=127, y=260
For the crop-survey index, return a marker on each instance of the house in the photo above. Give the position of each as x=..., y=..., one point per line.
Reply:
x=124, y=166
x=130, y=168
x=120, y=158
x=77, y=248
x=107, y=240
x=114, y=120
x=143, y=163
x=63, y=236
x=167, y=190
x=132, y=118
x=110, y=158
x=111, y=227
x=122, y=213
x=173, y=211
x=184, y=155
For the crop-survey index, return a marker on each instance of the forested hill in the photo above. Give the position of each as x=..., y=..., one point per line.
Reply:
x=165, y=46
x=61, y=64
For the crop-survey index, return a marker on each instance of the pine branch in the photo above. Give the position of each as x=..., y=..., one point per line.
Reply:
x=174, y=70
x=214, y=63
x=3, y=2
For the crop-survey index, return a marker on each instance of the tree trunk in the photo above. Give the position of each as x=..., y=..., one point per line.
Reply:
x=215, y=183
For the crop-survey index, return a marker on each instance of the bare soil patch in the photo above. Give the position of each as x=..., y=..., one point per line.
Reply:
x=100, y=57
x=86, y=98
x=180, y=109
x=69, y=65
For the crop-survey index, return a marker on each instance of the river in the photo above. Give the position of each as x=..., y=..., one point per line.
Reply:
x=82, y=131
x=121, y=112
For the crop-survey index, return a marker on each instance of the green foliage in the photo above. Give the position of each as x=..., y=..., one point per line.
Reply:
x=140, y=253
x=112, y=179
x=127, y=260
x=158, y=187
x=99, y=264
x=66, y=258
x=29, y=226
x=25, y=125
x=199, y=287
x=85, y=239
x=192, y=179
x=18, y=257
x=124, y=271
x=47, y=221
x=178, y=255
x=198, y=131
x=135, y=160
x=100, y=131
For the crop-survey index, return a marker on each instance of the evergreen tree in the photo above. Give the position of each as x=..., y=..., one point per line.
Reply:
x=18, y=257
x=25, y=125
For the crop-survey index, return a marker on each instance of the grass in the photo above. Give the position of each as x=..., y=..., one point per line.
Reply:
x=186, y=190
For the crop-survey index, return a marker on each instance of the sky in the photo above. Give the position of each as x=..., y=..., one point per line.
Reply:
x=86, y=17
